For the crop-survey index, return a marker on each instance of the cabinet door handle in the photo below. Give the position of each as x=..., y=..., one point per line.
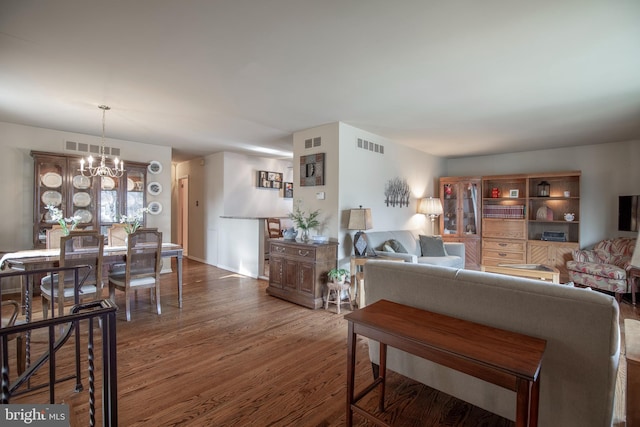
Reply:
x=502, y=254
x=502, y=244
x=280, y=249
x=303, y=253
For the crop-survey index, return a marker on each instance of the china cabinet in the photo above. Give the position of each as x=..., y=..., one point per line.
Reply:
x=460, y=221
x=97, y=202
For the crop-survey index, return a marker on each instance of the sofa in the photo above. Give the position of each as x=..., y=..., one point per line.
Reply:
x=580, y=364
x=605, y=267
x=410, y=241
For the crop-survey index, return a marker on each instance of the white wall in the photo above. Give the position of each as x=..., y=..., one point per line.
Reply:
x=357, y=177
x=16, y=176
x=608, y=171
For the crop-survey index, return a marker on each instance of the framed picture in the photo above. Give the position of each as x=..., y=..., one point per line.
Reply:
x=312, y=170
x=266, y=179
x=513, y=193
x=288, y=190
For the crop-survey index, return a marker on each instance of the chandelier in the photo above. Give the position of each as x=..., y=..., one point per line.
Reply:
x=102, y=169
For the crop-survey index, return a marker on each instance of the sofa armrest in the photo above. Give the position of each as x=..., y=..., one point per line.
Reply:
x=455, y=249
x=405, y=257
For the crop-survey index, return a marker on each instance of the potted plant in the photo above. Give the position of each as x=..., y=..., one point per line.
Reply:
x=337, y=275
x=304, y=221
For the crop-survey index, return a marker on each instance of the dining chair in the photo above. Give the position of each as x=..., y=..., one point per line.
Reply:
x=273, y=227
x=116, y=235
x=53, y=236
x=78, y=248
x=10, y=310
x=142, y=270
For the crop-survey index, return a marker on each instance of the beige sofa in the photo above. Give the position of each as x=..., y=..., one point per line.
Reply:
x=580, y=325
x=409, y=240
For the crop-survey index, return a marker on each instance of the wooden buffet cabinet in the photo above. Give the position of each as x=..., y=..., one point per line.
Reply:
x=513, y=219
x=298, y=270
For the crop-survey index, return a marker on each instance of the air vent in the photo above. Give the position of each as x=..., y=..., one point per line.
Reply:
x=369, y=146
x=313, y=142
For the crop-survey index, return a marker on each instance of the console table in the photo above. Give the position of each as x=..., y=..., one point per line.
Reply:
x=507, y=359
x=298, y=270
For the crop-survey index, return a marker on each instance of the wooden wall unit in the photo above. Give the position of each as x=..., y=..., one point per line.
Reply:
x=516, y=215
x=461, y=221
x=98, y=202
x=298, y=270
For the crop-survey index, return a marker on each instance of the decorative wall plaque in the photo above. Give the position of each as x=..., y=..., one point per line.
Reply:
x=312, y=170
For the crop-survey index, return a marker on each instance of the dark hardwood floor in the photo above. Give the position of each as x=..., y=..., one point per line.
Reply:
x=234, y=356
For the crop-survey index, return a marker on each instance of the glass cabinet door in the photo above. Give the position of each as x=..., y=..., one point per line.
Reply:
x=50, y=174
x=109, y=202
x=470, y=214
x=82, y=196
x=135, y=191
x=450, y=208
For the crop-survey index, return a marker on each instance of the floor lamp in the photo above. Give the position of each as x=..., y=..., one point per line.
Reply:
x=360, y=219
x=432, y=208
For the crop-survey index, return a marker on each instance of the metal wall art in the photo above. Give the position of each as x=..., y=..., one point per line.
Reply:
x=397, y=192
x=312, y=170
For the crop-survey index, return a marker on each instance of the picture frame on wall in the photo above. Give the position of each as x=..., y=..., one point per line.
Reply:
x=288, y=190
x=312, y=170
x=266, y=179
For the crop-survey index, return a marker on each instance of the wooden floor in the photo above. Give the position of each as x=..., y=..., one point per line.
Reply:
x=234, y=356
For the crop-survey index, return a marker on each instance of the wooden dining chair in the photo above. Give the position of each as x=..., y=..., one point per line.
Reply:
x=116, y=235
x=273, y=227
x=78, y=248
x=142, y=270
x=10, y=310
x=53, y=236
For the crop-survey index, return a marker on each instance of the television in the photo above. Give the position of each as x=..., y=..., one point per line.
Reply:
x=628, y=213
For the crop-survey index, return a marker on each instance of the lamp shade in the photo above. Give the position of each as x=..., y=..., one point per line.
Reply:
x=360, y=219
x=430, y=206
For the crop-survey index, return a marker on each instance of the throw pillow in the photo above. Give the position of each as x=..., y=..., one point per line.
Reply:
x=432, y=246
x=392, y=245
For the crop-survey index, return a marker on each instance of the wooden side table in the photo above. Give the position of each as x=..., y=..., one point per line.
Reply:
x=357, y=274
x=507, y=359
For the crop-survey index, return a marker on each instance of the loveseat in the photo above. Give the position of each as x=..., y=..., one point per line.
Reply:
x=605, y=267
x=580, y=364
x=409, y=241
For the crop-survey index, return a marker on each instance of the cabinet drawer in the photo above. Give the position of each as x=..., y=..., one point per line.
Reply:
x=293, y=251
x=495, y=257
x=504, y=228
x=502, y=245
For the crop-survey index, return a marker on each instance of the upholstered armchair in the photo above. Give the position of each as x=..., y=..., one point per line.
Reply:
x=605, y=267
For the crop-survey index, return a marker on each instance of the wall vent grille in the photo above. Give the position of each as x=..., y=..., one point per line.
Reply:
x=92, y=149
x=369, y=146
x=312, y=142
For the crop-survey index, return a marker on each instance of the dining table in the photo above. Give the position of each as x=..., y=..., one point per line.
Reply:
x=38, y=259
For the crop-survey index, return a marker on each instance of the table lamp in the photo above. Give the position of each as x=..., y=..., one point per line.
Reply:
x=360, y=219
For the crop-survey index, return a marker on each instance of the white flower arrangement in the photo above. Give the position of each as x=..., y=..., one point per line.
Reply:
x=133, y=222
x=67, y=224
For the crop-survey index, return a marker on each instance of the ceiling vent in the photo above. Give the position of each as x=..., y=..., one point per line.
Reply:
x=369, y=146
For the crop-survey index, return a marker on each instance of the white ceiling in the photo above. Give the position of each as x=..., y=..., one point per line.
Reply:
x=451, y=78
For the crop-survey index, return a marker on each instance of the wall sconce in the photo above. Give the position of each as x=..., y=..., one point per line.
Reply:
x=360, y=219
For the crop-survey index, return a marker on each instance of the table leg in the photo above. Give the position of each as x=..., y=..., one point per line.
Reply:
x=535, y=401
x=351, y=362
x=522, y=402
x=179, y=268
x=383, y=374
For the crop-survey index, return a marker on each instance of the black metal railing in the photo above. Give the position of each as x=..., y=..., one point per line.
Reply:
x=64, y=327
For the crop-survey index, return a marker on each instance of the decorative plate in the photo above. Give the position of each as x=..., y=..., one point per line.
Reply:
x=82, y=199
x=51, y=198
x=154, y=208
x=51, y=180
x=154, y=167
x=154, y=188
x=108, y=183
x=81, y=182
x=130, y=184
x=85, y=215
